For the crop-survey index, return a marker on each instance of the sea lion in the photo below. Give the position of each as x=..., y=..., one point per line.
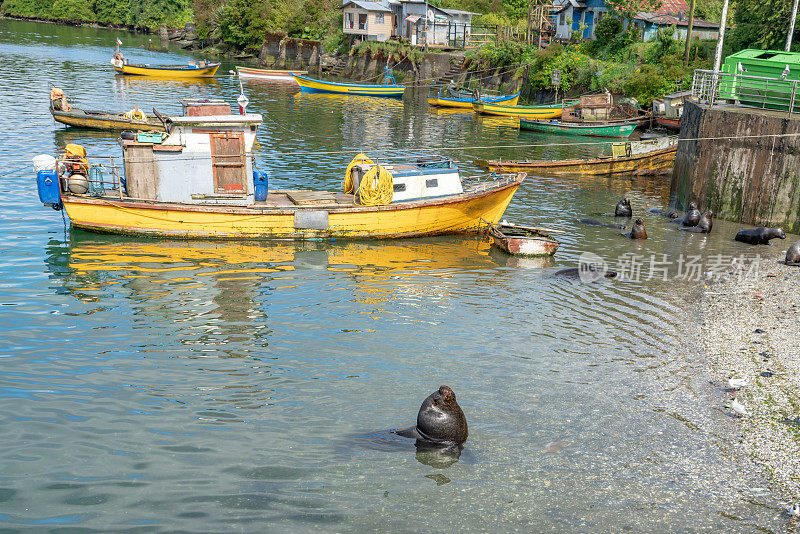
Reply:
x=637, y=231
x=760, y=236
x=575, y=272
x=793, y=254
x=692, y=217
x=703, y=225
x=623, y=208
x=440, y=420
x=594, y=222
x=667, y=214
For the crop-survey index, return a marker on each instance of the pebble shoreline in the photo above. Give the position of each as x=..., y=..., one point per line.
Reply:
x=750, y=328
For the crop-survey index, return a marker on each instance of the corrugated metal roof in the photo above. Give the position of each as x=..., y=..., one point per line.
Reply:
x=668, y=20
x=459, y=12
x=369, y=6
x=672, y=7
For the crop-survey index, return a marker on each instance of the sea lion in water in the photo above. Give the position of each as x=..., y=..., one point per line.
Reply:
x=593, y=274
x=659, y=211
x=793, y=254
x=593, y=222
x=440, y=420
x=623, y=208
x=760, y=236
x=637, y=231
x=703, y=225
x=693, y=216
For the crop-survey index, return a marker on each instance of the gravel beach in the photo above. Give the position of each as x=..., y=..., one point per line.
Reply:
x=750, y=329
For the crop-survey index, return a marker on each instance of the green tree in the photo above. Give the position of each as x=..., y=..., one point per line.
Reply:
x=761, y=24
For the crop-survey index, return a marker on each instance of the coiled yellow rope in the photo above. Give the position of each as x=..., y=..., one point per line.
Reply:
x=347, y=184
x=377, y=187
x=136, y=113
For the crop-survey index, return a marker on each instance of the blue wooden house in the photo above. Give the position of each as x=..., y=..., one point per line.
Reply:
x=571, y=14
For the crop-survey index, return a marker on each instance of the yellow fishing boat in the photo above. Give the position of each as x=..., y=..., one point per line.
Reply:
x=636, y=157
x=193, y=69
x=195, y=183
x=390, y=89
x=449, y=97
x=545, y=111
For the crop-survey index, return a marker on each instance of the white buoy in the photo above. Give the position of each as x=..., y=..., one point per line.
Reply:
x=78, y=184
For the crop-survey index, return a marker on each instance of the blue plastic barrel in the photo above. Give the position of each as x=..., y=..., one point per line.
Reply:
x=260, y=183
x=49, y=189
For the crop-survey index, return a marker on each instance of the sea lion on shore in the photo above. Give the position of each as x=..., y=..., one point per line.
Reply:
x=623, y=208
x=667, y=214
x=440, y=420
x=703, y=225
x=793, y=254
x=637, y=231
x=594, y=222
x=760, y=236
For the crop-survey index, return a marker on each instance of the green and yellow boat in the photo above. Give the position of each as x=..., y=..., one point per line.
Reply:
x=621, y=129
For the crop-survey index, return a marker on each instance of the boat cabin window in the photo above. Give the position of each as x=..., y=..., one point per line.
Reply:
x=228, y=161
x=433, y=182
x=399, y=187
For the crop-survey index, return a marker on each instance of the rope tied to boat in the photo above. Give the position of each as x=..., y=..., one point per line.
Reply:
x=377, y=184
x=377, y=187
x=347, y=184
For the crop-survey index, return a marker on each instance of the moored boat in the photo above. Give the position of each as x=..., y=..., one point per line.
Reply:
x=544, y=111
x=637, y=157
x=449, y=97
x=670, y=124
x=623, y=129
x=523, y=240
x=193, y=69
x=320, y=86
x=195, y=183
x=269, y=74
x=134, y=119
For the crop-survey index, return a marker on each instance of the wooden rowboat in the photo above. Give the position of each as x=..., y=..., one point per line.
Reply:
x=102, y=120
x=649, y=158
x=546, y=111
x=311, y=85
x=265, y=74
x=194, y=69
x=523, y=240
x=624, y=129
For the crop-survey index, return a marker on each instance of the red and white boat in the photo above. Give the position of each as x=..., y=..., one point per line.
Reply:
x=266, y=74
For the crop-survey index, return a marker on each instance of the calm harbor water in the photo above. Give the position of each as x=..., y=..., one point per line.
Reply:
x=214, y=387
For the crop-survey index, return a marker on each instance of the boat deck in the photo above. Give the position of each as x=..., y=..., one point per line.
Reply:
x=304, y=197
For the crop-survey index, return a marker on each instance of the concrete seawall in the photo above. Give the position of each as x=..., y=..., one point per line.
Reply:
x=753, y=178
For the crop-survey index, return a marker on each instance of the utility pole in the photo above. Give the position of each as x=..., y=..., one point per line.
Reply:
x=722, y=22
x=689, y=34
x=791, y=27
